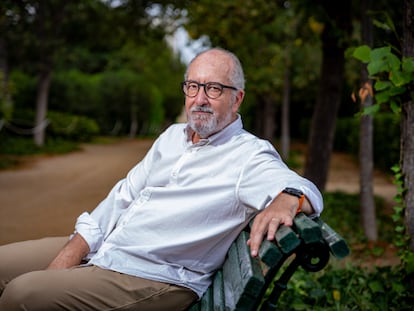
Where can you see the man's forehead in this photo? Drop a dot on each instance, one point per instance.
(210, 66)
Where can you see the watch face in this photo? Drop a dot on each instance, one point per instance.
(293, 191)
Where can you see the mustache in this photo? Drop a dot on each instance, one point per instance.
(201, 109)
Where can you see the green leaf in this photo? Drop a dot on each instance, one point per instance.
(375, 67)
(382, 60)
(396, 168)
(399, 78)
(382, 97)
(399, 228)
(396, 218)
(395, 107)
(408, 64)
(409, 262)
(363, 53)
(370, 110)
(376, 287)
(394, 62)
(396, 91)
(382, 85)
(398, 209)
(380, 53)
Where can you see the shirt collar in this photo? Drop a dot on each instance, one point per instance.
(220, 137)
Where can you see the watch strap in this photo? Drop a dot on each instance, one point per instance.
(297, 193)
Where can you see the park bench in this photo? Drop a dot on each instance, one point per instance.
(242, 282)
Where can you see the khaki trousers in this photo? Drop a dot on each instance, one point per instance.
(25, 285)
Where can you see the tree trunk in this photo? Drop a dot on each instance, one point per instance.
(6, 103)
(366, 161)
(366, 152)
(323, 124)
(268, 118)
(407, 125)
(133, 129)
(285, 119)
(41, 107)
(3, 62)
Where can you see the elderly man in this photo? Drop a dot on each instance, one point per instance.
(158, 237)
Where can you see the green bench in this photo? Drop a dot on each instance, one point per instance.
(242, 282)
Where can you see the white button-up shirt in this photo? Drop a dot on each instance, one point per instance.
(174, 216)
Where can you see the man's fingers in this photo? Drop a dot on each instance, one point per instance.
(272, 228)
(256, 235)
(260, 227)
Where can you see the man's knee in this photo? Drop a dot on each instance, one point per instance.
(23, 292)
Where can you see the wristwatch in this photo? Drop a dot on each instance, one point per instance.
(297, 193)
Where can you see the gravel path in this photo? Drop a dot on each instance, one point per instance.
(45, 196)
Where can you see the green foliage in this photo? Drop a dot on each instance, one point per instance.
(61, 126)
(24, 93)
(342, 212)
(21, 146)
(394, 78)
(392, 75)
(401, 238)
(65, 133)
(6, 104)
(71, 127)
(349, 288)
(271, 38)
(386, 140)
(76, 92)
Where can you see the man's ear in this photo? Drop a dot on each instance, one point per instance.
(238, 101)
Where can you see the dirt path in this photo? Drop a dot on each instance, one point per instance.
(45, 197)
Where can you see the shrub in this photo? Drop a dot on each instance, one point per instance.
(386, 140)
(71, 127)
(350, 288)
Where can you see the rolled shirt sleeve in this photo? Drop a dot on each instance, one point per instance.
(89, 229)
(266, 175)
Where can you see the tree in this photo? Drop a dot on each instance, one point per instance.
(394, 87)
(337, 22)
(407, 122)
(38, 34)
(366, 151)
(270, 39)
(45, 36)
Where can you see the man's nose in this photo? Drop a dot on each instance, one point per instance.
(201, 97)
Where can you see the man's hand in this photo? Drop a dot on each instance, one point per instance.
(71, 254)
(281, 211)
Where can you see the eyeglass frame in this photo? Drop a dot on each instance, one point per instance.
(204, 85)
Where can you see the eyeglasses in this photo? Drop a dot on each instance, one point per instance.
(213, 90)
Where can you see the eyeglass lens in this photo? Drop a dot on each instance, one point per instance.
(211, 89)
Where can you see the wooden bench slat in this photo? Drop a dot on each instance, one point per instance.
(249, 266)
(308, 230)
(286, 239)
(243, 279)
(196, 306)
(232, 277)
(207, 301)
(251, 273)
(336, 243)
(270, 254)
(218, 292)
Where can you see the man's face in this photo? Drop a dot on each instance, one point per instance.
(207, 116)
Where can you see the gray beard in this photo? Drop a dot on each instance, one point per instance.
(205, 126)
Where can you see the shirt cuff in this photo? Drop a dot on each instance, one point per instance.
(87, 227)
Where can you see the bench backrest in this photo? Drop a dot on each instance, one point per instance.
(243, 280)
